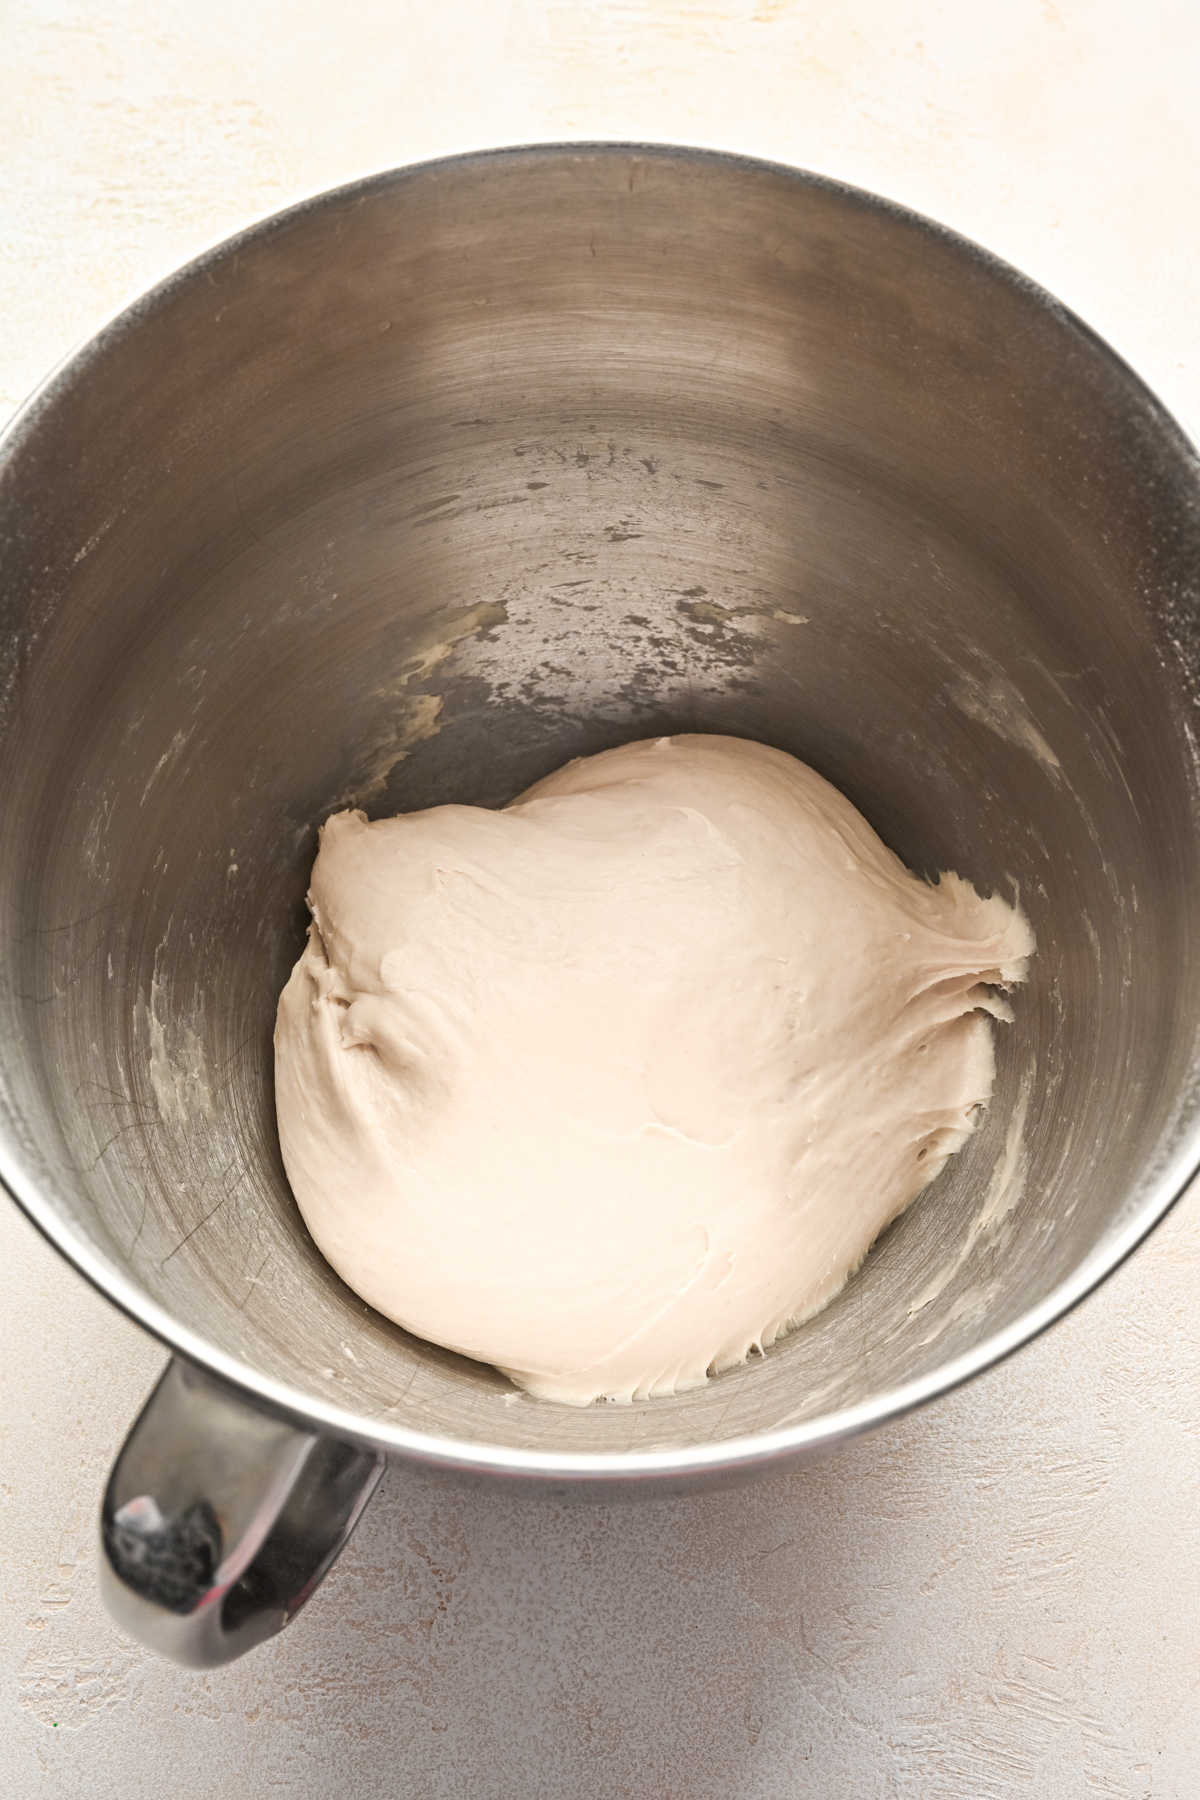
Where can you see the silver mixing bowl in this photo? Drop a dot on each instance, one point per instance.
(408, 495)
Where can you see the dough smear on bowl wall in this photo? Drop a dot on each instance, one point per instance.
(613, 1086)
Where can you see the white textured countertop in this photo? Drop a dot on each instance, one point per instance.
(998, 1597)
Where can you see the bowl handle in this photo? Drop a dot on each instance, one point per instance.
(220, 1519)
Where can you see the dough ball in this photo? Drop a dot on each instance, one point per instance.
(612, 1086)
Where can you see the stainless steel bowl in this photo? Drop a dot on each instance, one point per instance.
(408, 495)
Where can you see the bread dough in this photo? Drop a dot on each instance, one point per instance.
(617, 1084)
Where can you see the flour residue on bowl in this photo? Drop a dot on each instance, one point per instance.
(995, 703)
(1001, 1197)
(416, 717)
(177, 1066)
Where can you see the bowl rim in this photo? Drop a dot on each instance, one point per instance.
(1154, 1196)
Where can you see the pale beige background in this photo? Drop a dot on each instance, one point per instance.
(998, 1598)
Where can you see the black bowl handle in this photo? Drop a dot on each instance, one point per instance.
(220, 1519)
